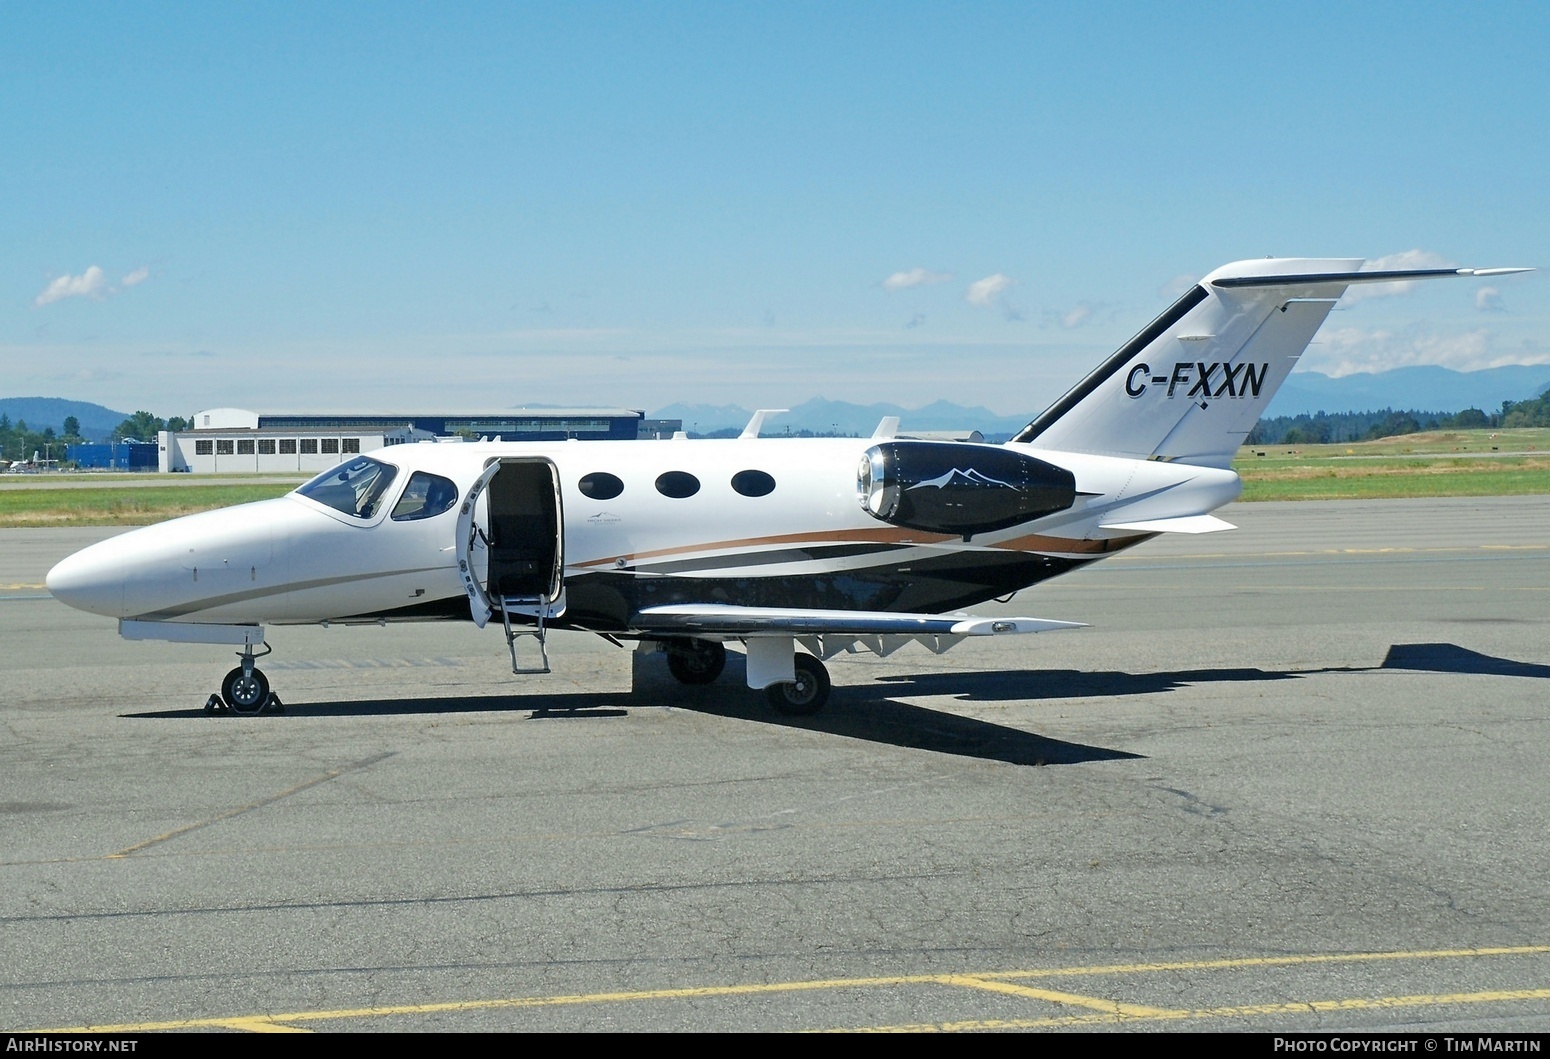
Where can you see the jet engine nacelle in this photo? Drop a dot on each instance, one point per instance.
(951, 487)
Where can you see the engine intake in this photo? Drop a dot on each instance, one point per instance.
(951, 487)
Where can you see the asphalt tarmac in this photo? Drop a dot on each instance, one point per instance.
(1294, 777)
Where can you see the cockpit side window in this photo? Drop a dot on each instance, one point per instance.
(354, 488)
(426, 496)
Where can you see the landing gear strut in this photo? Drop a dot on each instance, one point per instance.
(693, 661)
(245, 689)
(805, 695)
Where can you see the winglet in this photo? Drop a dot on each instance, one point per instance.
(756, 423)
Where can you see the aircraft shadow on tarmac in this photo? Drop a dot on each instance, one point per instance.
(574, 705)
(867, 712)
(1015, 685)
(1451, 658)
(856, 715)
(853, 712)
(872, 712)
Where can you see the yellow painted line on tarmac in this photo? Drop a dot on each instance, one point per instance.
(686, 993)
(1291, 1007)
(1110, 1007)
(1108, 1011)
(259, 1024)
(1274, 961)
(1381, 1003)
(249, 807)
(19, 587)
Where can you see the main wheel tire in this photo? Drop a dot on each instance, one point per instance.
(246, 694)
(805, 695)
(696, 661)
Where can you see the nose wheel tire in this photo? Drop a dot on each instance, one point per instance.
(246, 693)
(805, 695)
(696, 661)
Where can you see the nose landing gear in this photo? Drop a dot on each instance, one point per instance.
(245, 690)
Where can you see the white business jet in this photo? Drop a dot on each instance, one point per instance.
(836, 544)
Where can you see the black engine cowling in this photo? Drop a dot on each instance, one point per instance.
(951, 487)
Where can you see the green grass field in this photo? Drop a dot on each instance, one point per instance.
(1452, 463)
(1457, 463)
(120, 506)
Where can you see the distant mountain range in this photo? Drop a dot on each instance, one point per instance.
(1421, 389)
(97, 422)
(1424, 389)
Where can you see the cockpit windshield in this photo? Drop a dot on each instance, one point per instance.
(355, 488)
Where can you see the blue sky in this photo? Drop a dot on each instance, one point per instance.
(383, 205)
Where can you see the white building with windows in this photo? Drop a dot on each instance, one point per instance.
(237, 441)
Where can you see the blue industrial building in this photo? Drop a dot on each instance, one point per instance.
(127, 455)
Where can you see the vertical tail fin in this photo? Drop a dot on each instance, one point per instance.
(1193, 383)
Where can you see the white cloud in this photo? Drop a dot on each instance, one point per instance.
(1489, 300)
(986, 291)
(138, 276)
(915, 277)
(89, 284)
(1362, 292)
(1077, 316)
(1354, 349)
(1081, 314)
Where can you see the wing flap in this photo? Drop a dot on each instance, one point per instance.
(728, 620)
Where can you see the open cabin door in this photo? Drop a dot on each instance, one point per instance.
(511, 541)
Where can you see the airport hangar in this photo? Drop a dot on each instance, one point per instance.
(235, 440)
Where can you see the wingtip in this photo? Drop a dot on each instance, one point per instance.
(1494, 271)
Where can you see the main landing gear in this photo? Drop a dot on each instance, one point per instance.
(805, 695)
(698, 662)
(245, 690)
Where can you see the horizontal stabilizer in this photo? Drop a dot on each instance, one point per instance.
(1373, 276)
(728, 620)
(1185, 524)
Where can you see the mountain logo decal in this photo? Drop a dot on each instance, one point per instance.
(959, 477)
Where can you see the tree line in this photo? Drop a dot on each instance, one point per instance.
(1324, 428)
(19, 442)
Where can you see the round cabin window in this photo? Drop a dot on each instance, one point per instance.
(753, 483)
(678, 484)
(600, 485)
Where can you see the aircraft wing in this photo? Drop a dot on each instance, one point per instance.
(723, 619)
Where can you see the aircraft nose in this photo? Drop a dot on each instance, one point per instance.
(90, 580)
